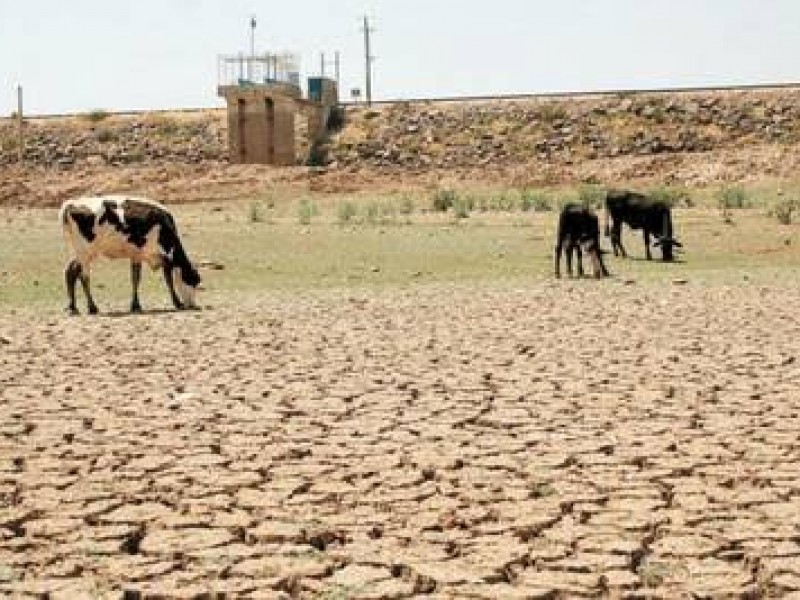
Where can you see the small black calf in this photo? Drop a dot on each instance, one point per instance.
(579, 229)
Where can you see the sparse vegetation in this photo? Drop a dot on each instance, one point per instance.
(732, 198)
(672, 196)
(550, 112)
(97, 115)
(407, 205)
(443, 200)
(306, 211)
(105, 135)
(783, 210)
(255, 212)
(536, 200)
(504, 201)
(592, 196)
(372, 213)
(347, 212)
(462, 205)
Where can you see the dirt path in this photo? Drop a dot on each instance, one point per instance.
(565, 439)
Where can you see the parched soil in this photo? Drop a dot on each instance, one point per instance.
(552, 439)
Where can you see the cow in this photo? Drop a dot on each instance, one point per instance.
(579, 229)
(126, 227)
(653, 217)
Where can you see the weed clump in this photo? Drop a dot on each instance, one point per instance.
(306, 211)
(443, 200)
(347, 212)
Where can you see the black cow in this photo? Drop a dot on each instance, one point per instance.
(579, 229)
(653, 217)
(137, 229)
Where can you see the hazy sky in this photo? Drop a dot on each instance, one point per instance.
(75, 55)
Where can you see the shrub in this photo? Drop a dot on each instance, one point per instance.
(407, 205)
(733, 197)
(347, 211)
(97, 115)
(461, 207)
(505, 202)
(255, 212)
(550, 112)
(373, 212)
(784, 210)
(535, 200)
(592, 196)
(105, 135)
(306, 211)
(443, 200)
(672, 196)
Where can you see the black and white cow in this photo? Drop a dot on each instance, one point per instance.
(579, 229)
(137, 229)
(653, 217)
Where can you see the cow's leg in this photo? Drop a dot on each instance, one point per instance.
(579, 253)
(559, 249)
(646, 234)
(167, 268)
(601, 262)
(616, 240)
(136, 277)
(71, 273)
(570, 250)
(84, 277)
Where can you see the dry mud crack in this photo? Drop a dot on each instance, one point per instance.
(541, 441)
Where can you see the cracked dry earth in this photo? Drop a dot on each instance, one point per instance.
(542, 441)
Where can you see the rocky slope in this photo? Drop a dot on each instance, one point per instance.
(511, 132)
(688, 138)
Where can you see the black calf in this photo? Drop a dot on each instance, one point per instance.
(578, 228)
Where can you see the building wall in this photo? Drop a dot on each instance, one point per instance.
(260, 126)
(262, 123)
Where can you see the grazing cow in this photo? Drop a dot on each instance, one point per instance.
(640, 212)
(578, 227)
(137, 229)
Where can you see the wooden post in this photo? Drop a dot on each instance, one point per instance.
(20, 127)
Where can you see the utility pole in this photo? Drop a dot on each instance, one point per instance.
(337, 63)
(368, 58)
(250, 63)
(20, 127)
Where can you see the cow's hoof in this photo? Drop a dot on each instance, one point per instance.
(72, 311)
(93, 310)
(136, 308)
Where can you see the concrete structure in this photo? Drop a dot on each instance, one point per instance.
(268, 120)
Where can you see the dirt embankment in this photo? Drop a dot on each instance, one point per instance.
(687, 138)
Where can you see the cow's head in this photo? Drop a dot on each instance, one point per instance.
(187, 282)
(667, 246)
